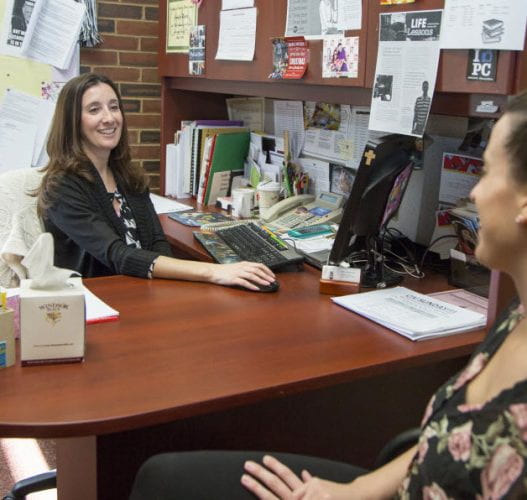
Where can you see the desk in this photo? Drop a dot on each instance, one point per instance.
(191, 365)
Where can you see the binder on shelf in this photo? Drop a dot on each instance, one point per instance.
(230, 151)
(208, 151)
(195, 146)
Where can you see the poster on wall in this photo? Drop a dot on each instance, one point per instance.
(182, 15)
(406, 71)
(28, 93)
(290, 55)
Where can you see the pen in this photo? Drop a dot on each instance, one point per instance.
(272, 235)
(3, 299)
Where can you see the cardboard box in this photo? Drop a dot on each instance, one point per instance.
(52, 324)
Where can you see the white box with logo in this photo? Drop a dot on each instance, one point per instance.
(52, 323)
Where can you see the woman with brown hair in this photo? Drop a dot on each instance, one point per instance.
(95, 201)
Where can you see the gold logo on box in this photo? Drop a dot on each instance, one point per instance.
(53, 312)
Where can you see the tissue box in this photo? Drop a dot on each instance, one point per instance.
(52, 324)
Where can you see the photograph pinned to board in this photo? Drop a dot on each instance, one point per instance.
(290, 57)
(405, 72)
(16, 24)
(325, 116)
(196, 50)
(342, 179)
(340, 57)
(182, 15)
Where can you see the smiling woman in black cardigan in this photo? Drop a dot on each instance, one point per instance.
(96, 203)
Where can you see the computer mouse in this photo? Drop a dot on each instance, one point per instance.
(272, 287)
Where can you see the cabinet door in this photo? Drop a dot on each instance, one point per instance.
(271, 22)
(451, 76)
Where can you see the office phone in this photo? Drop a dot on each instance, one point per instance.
(305, 210)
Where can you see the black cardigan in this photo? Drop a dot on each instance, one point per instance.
(89, 236)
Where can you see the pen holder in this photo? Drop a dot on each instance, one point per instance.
(7, 337)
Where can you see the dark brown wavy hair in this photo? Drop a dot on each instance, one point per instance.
(64, 146)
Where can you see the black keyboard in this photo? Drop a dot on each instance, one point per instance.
(253, 243)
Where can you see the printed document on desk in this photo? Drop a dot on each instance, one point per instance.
(164, 205)
(411, 314)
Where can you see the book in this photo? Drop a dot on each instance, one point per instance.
(411, 314)
(230, 151)
(197, 219)
(205, 167)
(194, 145)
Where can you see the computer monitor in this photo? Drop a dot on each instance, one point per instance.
(375, 197)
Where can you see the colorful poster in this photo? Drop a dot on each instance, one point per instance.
(459, 175)
(181, 16)
(289, 57)
(340, 57)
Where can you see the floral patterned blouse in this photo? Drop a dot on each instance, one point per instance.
(477, 451)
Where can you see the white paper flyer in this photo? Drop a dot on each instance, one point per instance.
(406, 71)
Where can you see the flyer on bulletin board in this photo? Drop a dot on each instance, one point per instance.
(182, 15)
(290, 57)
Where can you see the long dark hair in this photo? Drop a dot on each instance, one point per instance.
(64, 146)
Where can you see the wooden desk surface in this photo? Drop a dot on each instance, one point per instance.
(182, 349)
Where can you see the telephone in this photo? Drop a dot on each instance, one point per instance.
(305, 210)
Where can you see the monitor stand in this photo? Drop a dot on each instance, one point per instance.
(375, 274)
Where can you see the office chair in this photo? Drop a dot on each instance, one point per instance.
(48, 480)
(39, 482)
(397, 445)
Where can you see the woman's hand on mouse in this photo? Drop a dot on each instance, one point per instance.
(246, 274)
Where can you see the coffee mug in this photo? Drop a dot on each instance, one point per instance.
(242, 202)
(267, 194)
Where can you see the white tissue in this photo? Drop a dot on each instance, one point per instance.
(39, 264)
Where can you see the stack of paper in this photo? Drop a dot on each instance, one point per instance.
(98, 311)
(412, 314)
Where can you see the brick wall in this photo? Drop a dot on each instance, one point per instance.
(128, 55)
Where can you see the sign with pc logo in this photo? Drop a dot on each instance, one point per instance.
(482, 65)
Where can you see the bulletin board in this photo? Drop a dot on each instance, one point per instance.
(22, 74)
(43, 83)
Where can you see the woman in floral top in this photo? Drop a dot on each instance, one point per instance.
(473, 442)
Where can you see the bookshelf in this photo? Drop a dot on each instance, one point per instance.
(185, 98)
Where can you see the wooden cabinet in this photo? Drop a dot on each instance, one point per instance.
(185, 97)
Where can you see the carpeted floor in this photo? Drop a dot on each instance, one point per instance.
(20, 458)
